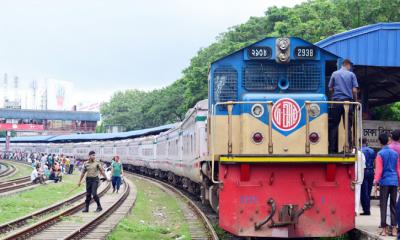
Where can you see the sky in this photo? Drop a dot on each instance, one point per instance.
(102, 46)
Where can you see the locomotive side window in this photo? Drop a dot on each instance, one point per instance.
(225, 84)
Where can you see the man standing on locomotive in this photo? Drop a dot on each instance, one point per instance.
(343, 87)
(92, 168)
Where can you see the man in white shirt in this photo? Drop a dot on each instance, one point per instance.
(359, 168)
(43, 160)
(35, 176)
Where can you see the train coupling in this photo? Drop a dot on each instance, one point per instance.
(288, 215)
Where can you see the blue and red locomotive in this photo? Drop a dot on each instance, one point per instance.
(268, 116)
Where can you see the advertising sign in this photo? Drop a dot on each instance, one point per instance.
(21, 127)
(372, 129)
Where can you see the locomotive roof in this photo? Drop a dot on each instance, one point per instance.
(261, 40)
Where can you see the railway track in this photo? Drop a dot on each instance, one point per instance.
(15, 184)
(200, 226)
(70, 222)
(11, 169)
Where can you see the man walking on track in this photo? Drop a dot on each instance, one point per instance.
(92, 168)
(117, 172)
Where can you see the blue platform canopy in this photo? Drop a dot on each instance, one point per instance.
(36, 139)
(109, 136)
(375, 52)
(49, 115)
(92, 136)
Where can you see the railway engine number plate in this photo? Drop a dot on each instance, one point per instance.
(259, 52)
(305, 52)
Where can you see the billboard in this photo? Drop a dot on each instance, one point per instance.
(57, 95)
(21, 127)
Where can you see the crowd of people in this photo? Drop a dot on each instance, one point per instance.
(382, 171)
(53, 166)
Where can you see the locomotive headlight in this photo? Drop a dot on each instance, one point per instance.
(282, 50)
(257, 110)
(314, 110)
(314, 137)
(283, 44)
(283, 57)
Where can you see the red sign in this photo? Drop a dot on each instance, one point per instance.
(286, 114)
(21, 127)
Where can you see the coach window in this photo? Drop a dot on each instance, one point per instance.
(191, 144)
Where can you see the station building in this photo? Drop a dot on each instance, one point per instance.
(47, 122)
(375, 53)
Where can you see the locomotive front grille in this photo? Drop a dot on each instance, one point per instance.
(265, 76)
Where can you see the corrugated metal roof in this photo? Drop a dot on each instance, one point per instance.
(372, 45)
(92, 136)
(49, 115)
(29, 139)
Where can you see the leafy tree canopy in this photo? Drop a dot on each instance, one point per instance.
(313, 20)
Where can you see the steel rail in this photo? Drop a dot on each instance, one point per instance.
(207, 224)
(42, 225)
(14, 181)
(8, 226)
(10, 170)
(89, 226)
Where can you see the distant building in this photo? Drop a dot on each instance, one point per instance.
(47, 122)
(114, 128)
(12, 104)
(90, 107)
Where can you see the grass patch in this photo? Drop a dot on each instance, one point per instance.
(23, 171)
(21, 204)
(156, 215)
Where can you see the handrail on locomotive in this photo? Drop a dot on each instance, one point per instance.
(356, 129)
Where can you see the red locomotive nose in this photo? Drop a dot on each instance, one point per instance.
(258, 137)
(313, 137)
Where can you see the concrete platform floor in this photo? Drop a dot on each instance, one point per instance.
(369, 224)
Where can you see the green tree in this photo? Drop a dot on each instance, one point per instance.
(313, 21)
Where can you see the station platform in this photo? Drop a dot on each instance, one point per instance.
(368, 225)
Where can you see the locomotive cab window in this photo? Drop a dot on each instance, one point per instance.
(225, 84)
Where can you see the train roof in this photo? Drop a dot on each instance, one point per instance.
(92, 136)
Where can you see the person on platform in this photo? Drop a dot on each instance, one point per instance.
(387, 173)
(343, 87)
(395, 145)
(117, 171)
(91, 169)
(359, 168)
(366, 187)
